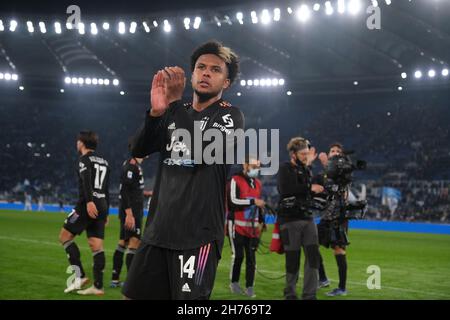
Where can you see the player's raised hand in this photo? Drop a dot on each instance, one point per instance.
(92, 210)
(175, 81)
(323, 159)
(158, 97)
(312, 155)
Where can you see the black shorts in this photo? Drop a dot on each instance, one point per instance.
(126, 234)
(163, 274)
(333, 234)
(77, 222)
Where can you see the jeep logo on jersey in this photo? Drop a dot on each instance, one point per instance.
(228, 121)
(203, 123)
(178, 146)
(171, 126)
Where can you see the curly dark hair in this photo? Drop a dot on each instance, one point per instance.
(226, 54)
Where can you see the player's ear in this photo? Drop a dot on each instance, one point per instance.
(226, 84)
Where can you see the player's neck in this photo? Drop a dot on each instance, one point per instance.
(199, 105)
(86, 151)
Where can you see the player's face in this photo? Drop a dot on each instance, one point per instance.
(210, 76)
(79, 145)
(253, 164)
(334, 151)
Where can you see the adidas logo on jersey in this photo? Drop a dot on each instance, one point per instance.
(186, 288)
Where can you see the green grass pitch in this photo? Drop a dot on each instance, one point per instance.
(413, 265)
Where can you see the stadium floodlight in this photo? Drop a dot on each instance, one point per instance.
(155, 23)
(316, 7)
(69, 26)
(268, 82)
(303, 13)
(445, 72)
(21, 88)
(30, 27)
(133, 26)
(81, 28)
(265, 17)
(281, 82)
(74, 80)
(42, 27)
(240, 17)
(404, 75)
(219, 24)
(400, 88)
(275, 82)
(7, 76)
(100, 82)
(374, 3)
(187, 22)
(431, 73)
(2, 76)
(122, 93)
(67, 80)
(256, 82)
(254, 17)
(238, 94)
(80, 80)
(116, 82)
(418, 74)
(57, 27)
(276, 14)
(167, 26)
(61, 90)
(341, 6)
(388, 2)
(354, 6)
(289, 10)
(289, 93)
(106, 82)
(94, 81)
(12, 25)
(14, 77)
(94, 29)
(2, 27)
(250, 83)
(262, 82)
(88, 81)
(146, 27)
(105, 26)
(243, 83)
(197, 22)
(329, 8)
(121, 27)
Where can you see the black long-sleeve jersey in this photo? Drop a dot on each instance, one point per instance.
(93, 183)
(131, 185)
(187, 209)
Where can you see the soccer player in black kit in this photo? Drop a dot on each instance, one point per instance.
(183, 239)
(90, 214)
(131, 211)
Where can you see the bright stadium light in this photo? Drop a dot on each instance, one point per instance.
(94, 81)
(445, 72)
(275, 82)
(431, 73)
(276, 14)
(256, 82)
(374, 3)
(14, 77)
(240, 17)
(289, 10)
(12, 25)
(121, 27)
(155, 23)
(105, 26)
(94, 29)
(418, 74)
(341, 6)
(21, 88)
(316, 7)
(58, 27)
(42, 27)
(303, 13)
(167, 26)
(146, 27)
(74, 80)
(187, 22)
(61, 90)
(254, 17)
(265, 17)
(238, 94)
(88, 81)
(243, 83)
(80, 80)
(115, 82)
(106, 82)
(122, 93)
(404, 75)
(355, 83)
(250, 83)
(69, 26)
(30, 27)
(7, 76)
(81, 29)
(388, 2)
(100, 82)
(133, 26)
(262, 82)
(289, 93)
(2, 27)
(2, 76)
(354, 6)
(281, 82)
(329, 8)
(400, 88)
(197, 22)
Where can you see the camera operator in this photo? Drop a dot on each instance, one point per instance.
(297, 228)
(333, 227)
